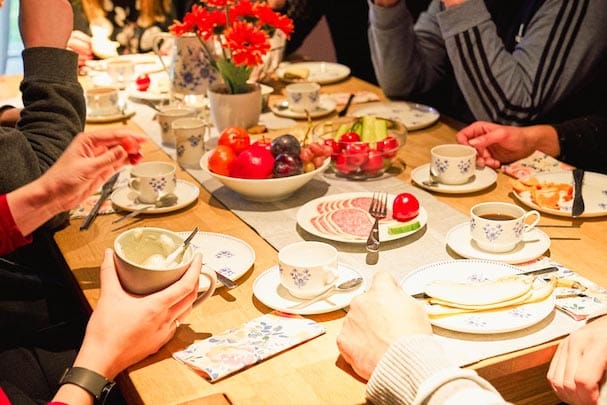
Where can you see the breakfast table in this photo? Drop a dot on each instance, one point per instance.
(313, 372)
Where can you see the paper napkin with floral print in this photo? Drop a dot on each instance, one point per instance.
(537, 162)
(576, 296)
(233, 350)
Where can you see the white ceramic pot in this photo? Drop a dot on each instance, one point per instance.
(227, 109)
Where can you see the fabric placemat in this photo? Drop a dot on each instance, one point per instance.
(276, 223)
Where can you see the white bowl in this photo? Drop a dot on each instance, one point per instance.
(263, 190)
(134, 246)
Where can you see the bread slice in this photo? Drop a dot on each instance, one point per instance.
(296, 73)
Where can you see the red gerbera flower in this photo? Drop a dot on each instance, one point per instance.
(270, 18)
(246, 43)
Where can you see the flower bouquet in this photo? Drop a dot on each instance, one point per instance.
(235, 36)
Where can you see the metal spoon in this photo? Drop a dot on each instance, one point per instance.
(432, 178)
(165, 201)
(281, 106)
(177, 253)
(347, 285)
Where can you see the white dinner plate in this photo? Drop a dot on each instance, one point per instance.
(496, 321)
(411, 115)
(326, 106)
(319, 72)
(104, 119)
(594, 191)
(483, 178)
(309, 211)
(271, 293)
(126, 199)
(534, 244)
(225, 254)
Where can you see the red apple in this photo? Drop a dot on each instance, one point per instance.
(255, 162)
(142, 82)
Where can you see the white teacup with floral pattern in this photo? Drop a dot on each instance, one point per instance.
(307, 269)
(303, 96)
(152, 180)
(498, 227)
(189, 135)
(453, 163)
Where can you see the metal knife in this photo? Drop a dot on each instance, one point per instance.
(106, 190)
(578, 200)
(537, 272)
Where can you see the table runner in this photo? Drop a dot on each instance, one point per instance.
(276, 223)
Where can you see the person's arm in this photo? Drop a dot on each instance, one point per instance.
(86, 164)
(9, 115)
(583, 142)
(407, 61)
(562, 43)
(121, 318)
(401, 360)
(54, 109)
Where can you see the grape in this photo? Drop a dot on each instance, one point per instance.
(306, 154)
(286, 143)
(318, 160)
(287, 165)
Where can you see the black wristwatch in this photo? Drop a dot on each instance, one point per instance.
(88, 380)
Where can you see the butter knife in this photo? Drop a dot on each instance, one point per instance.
(536, 272)
(106, 190)
(578, 200)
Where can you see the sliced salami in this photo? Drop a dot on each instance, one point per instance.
(352, 221)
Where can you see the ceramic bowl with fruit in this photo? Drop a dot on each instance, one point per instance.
(265, 170)
(362, 147)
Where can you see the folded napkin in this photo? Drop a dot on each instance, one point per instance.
(580, 298)
(537, 162)
(83, 209)
(361, 96)
(230, 351)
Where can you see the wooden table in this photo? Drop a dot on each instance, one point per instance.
(312, 372)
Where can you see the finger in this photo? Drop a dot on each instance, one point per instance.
(180, 289)
(589, 375)
(107, 273)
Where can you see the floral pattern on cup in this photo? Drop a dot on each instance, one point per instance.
(303, 96)
(453, 163)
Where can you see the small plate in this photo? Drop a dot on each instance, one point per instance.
(326, 106)
(268, 290)
(534, 244)
(487, 322)
(594, 191)
(230, 256)
(320, 72)
(309, 211)
(482, 179)
(125, 198)
(104, 119)
(413, 116)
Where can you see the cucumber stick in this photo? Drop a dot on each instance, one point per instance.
(368, 129)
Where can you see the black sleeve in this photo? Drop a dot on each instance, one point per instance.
(583, 142)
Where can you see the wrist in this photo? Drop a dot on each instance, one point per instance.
(547, 140)
(82, 385)
(31, 206)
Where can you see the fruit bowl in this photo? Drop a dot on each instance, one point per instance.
(362, 155)
(264, 190)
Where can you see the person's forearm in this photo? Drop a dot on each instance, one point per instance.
(73, 394)
(545, 138)
(30, 206)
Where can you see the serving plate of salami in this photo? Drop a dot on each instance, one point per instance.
(345, 218)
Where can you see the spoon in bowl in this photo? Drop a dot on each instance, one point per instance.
(346, 286)
(177, 253)
(165, 201)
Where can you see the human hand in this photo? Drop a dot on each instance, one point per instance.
(46, 23)
(10, 116)
(453, 3)
(374, 322)
(80, 43)
(121, 318)
(277, 4)
(499, 144)
(578, 367)
(89, 160)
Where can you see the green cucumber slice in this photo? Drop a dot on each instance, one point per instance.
(403, 227)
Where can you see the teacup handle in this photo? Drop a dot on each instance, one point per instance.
(210, 274)
(331, 275)
(156, 42)
(135, 184)
(532, 225)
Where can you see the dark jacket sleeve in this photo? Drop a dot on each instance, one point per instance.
(54, 112)
(583, 142)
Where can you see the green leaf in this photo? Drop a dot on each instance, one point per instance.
(234, 76)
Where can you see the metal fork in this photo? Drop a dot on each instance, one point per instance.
(378, 210)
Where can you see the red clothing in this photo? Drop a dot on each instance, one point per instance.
(10, 235)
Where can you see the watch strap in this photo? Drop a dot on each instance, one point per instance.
(95, 383)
